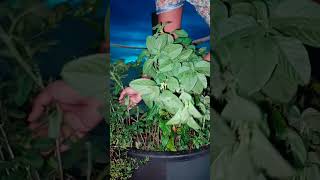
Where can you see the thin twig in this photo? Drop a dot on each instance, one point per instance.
(7, 142)
(18, 57)
(59, 158)
(2, 158)
(126, 46)
(23, 14)
(89, 168)
(201, 40)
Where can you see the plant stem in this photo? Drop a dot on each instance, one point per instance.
(59, 158)
(8, 42)
(7, 142)
(89, 168)
(2, 158)
(116, 80)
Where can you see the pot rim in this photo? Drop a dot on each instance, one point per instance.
(167, 154)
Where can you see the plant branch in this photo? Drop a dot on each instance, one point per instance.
(59, 158)
(89, 168)
(9, 43)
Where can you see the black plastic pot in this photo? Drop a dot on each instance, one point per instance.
(193, 165)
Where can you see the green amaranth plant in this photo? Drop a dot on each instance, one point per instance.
(264, 126)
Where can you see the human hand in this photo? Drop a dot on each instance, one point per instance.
(134, 97)
(207, 57)
(80, 114)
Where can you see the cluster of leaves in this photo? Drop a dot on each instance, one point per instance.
(177, 91)
(261, 130)
(21, 155)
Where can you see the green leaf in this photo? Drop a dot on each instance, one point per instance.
(296, 56)
(264, 156)
(24, 88)
(243, 8)
(147, 88)
(186, 97)
(235, 27)
(162, 40)
(143, 86)
(193, 124)
(173, 84)
(170, 102)
(181, 33)
(202, 67)
(198, 87)
(296, 146)
(172, 50)
(176, 119)
(148, 68)
(188, 80)
(88, 75)
(202, 79)
(220, 11)
(262, 12)
(170, 145)
(241, 167)
(166, 130)
(152, 45)
(221, 134)
(298, 18)
(185, 54)
(165, 63)
(193, 111)
(221, 164)
(280, 87)
(311, 119)
(55, 120)
(254, 74)
(241, 110)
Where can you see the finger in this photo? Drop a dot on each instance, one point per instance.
(37, 125)
(123, 94)
(75, 123)
(39, 104)
(42, 132)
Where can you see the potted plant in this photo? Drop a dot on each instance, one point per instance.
(172, 131)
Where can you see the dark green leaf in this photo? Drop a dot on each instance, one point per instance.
(171, 102)
(55, 120)
(300, 19)
(242, 110)
(173, 84)
(181, 33)
(88, 75)
(265, 156)
(294, 52)
(24, 88)
(254, 74)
